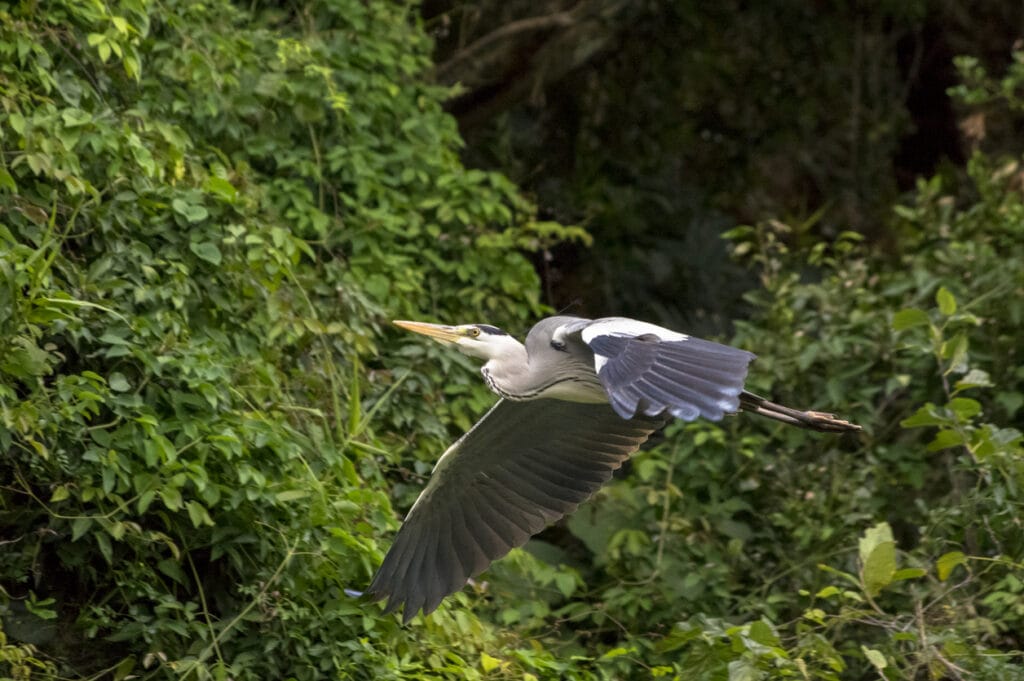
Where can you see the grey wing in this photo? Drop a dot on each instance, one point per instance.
(521, 467)
(649, 370)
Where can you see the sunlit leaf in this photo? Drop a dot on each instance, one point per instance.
(947, 561)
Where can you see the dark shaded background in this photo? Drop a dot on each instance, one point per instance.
(658, 125)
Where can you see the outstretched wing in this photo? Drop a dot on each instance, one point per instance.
(650, 370)
(521, 467)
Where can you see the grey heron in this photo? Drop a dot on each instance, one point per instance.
(576, 400)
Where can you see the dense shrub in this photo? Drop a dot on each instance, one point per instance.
(209, 216)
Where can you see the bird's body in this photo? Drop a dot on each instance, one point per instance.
(578, 398)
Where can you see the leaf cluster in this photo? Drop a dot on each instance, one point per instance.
(211, 213)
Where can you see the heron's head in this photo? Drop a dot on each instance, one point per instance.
(476, 340)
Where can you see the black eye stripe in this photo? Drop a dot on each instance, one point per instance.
(493, 330)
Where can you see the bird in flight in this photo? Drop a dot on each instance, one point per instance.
(577, 399)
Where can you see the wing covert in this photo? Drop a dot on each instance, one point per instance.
(521, 467)
(648, 370)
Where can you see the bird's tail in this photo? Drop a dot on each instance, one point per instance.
(812, 420)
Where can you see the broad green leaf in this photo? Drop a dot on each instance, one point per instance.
(947, 561)
(488, 663)
(955, 350)
(124, 668)
(909, 318)
(292, 495)
(873, 537)
(566, 583)
(875, 657)
(743, 670)
(925, 416)
(827, 592)
(975, 378)
(208, 251)
(7, 181)
(198, 514)
(221, 187)
(75, 117)
(145, 499)
(171, 498)
(946, 438)
(118, 382)
(172, 569)
(878, 558)
(964, 407)
(946, 301)
(762, 633)
(80, 526)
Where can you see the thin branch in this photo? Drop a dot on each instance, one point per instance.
(530, 25)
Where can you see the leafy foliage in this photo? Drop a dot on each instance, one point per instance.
(210, 213)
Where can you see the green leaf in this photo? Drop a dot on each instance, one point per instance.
(193, 212)
(875, 657)
(827, 592)
(220, 187)
(762, 633)
(172, 569)
(25, 360)
(616, 652)
(292, 495)
(145, 499)
(118, 382)
(207, 250)
(909, 318)
(171, 498)
(17, 122)
(927, 415)
(488, 663)
(944, 439)
(124, 668)
(946, 301)
(975, 378)
(743, 670)
(566, 583)
(964, 407)
(7, 181)
(947, 561)
(80, 526)
(198, 514)
(909, 573)
(75, 117)
(878, 558)
(955, 350)
(103, 542)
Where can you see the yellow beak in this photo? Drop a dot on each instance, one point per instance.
(440, 332)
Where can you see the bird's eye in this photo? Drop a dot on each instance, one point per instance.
(474, 332)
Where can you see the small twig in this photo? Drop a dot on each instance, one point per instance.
(531, 24)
